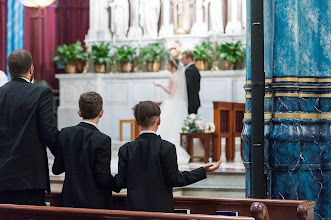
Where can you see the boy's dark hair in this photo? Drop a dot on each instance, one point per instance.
(146, 113)
(90, 105)
(19, 63)
(189, 54)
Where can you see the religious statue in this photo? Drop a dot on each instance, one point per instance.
(234, 25)
(200, 27)
(135, 30)
(166, 29)
(149, 11)
(216, 16)
(119, 17)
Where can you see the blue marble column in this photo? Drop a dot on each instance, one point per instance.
(297, 102)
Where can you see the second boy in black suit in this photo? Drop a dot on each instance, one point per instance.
(148, 167)
(193, 77)
(84, 155)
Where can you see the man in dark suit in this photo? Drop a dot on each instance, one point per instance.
(84, 155)
(27, 126)
(192, 82)
(148, 167)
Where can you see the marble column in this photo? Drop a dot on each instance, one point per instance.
(135, 30)
(199, 27)
(234, 25)
(166, 29)
(99, 21)
(297, 102)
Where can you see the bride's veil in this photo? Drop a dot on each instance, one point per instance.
(180, 93)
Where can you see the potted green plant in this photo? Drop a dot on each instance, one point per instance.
(71, 55)
(231, 54)
(126, 55)
(100, 55)
(202, 55)
(153, 54)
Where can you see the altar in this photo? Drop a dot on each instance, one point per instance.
(121, 92)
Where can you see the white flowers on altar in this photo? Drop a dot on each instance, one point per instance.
(209, 127)
(194, 123)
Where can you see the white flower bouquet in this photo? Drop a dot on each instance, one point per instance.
(193, 123)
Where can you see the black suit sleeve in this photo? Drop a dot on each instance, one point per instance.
(121, 177)
(58, 166)
(173, 177)
(46, 120)
(101, 164)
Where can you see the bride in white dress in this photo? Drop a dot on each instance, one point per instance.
(174, 109)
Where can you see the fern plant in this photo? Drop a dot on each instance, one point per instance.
(70, 54)
(203, 51)
(100, 54)
(231, 52)
(126, 53)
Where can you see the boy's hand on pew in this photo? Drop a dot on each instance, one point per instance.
(212, 167)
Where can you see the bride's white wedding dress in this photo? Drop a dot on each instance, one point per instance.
(173, 114)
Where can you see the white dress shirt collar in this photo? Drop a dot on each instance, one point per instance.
(25, 79)
(189, 64)
(91, 123)
(147, 131)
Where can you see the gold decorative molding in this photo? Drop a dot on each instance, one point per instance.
(293, 115)
(294, 79)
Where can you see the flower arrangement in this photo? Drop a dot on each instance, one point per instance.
(194, 123)
(175, 50)
(209, 127)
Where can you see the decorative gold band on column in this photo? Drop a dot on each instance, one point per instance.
(294, 79)
(299, 95)
(293, 115)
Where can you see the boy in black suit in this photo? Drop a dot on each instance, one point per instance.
(84, 155)
(148, 167)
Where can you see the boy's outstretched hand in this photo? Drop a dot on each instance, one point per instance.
(211, 167)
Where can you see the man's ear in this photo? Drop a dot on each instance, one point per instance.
(136, 123)
(101, 113)
(79, 113)
(158, 120)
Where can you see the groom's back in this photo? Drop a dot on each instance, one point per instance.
(143, 161)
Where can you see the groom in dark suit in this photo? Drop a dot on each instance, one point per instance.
(27, 126)
(192, 82)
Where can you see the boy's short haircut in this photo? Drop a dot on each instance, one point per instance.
(146, 113)
(90, 105)
(189, 54)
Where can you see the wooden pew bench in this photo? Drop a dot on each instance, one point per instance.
(24, 212)
(277, 209)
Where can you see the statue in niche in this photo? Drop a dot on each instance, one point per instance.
(149, 11)
(119, 17)
(135, 30)
(216, 16)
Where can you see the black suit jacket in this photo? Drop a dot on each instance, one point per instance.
(148, 168)
(27, 126)
(193, 87)
(84, 155)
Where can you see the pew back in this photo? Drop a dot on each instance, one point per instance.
(278, 209)
(22, 212)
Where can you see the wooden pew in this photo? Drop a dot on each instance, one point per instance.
(22, 212)
(278, 209)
